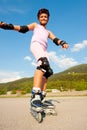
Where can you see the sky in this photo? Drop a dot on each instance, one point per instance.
(68, 21)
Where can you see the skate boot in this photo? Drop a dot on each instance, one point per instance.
(48, 106)
(36, 103)
(36, 106)
(43, 95)
(46, 103)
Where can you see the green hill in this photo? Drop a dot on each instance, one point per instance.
(72, 78)
(75, 73)
(76, 69)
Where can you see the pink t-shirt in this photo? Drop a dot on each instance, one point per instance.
(40, 35)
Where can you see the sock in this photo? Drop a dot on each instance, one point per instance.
(36, 90)
(37, 96)
(44, 93)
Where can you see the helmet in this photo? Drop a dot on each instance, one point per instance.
(43, 10)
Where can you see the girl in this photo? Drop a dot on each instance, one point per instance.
(38, 48)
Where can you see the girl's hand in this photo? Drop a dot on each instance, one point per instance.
(65, 46)
(2, 24)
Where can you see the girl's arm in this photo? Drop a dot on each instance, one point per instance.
(22, 29)
(6, 26)
(52, 37)
(25, 28)
(58, 41)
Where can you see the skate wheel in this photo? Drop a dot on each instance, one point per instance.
(55, 114)
(39, 117)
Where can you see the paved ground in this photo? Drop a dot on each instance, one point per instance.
(72, 115)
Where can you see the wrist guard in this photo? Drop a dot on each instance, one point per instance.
(62, 43)
(7, 26)
(55, 40)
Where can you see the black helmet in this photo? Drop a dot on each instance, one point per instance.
(43, 10)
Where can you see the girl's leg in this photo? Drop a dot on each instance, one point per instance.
(38, 51)
(38, 75)
(36, 90)
(43, 87)
(44, 84)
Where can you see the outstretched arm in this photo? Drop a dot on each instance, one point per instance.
(22, 29)
(58, 41)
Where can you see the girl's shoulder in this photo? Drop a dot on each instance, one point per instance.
(36, 25)
(32, 25)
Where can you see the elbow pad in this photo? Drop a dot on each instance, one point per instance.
(24, 29)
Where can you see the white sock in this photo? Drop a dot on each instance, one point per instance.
(36, 89)
(43, 92)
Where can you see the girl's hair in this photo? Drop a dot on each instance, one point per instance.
(43, 11)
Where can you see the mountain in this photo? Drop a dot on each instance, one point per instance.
(72, 78)
(82, 68)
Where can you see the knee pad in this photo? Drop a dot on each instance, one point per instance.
(48, 73)
(45, 66)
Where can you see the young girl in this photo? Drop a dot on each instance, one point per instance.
(38, 48)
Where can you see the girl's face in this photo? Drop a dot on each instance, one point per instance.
(43, 19)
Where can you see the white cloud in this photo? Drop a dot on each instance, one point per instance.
(16, 10)
(62, 61)
(84, 59)
(11, 9)
(34, 63)
(27, 58)
(9, 76)
(79, 46)
(2, 10)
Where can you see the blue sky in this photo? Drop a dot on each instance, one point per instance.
(68, 21)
